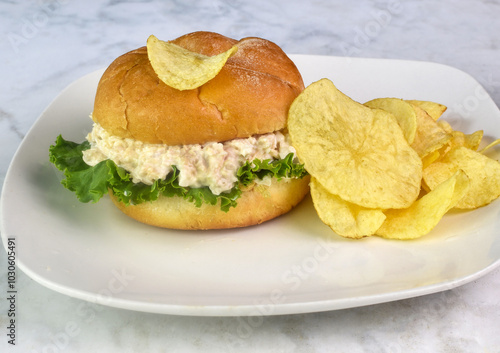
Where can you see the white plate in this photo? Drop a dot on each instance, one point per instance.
(293, 264)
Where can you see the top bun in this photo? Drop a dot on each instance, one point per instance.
(250, 95)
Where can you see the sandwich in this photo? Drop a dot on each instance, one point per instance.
(211, 157)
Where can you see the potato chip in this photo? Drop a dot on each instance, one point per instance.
(430, 136)
(431, 157)
(472, 141)
(483, 173)
(344, 218)
(435, 110)
(443, 124)
(402, 111)
(355, 152)
(492, 144)
(421, 217)
(183, 69)
(458, 139)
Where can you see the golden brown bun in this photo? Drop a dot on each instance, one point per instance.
(251, 95)
(256, 205)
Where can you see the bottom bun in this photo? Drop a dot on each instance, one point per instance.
(257, 204)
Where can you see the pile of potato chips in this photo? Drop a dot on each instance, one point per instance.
(388, 167)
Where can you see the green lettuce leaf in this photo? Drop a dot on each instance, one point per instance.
(91, 183)
(278, 168)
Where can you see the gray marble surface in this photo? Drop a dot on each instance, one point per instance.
(46, 45)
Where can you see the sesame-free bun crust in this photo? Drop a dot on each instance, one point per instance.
(251, 94)
(257, 204)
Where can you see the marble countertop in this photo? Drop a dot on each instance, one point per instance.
(46, 45)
